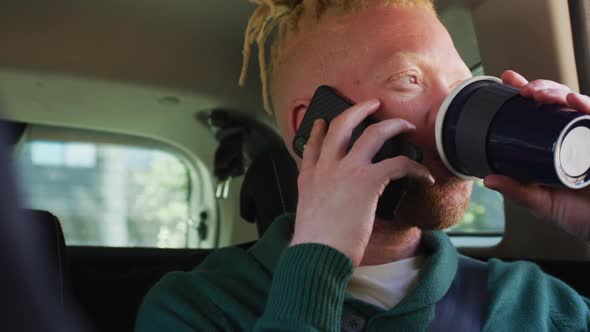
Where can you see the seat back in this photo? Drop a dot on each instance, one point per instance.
(48, 228)
(269, 188)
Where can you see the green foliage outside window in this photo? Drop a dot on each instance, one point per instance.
(485, 214)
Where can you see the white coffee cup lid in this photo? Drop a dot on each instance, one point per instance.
(575, 152)
(572, 157)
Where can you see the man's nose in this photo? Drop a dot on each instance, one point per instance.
(439, 94)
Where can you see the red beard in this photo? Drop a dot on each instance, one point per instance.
(433, 208)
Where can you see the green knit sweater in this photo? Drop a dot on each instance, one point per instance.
(273, 287)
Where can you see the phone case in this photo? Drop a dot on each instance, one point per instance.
(327, 104)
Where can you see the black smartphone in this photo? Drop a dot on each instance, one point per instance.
(326, 104)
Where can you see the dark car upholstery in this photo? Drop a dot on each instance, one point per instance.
(48, 226)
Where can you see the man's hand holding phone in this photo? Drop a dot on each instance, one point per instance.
(339, 191)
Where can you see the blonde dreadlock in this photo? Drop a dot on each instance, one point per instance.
(287, 13)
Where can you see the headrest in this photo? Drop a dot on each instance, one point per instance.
(51, 237)
(12, 131)
(269, 188)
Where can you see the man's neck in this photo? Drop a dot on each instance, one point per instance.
(389, 244)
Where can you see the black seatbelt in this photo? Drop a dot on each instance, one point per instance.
(463, 306)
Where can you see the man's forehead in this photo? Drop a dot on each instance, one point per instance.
(389, 35)
(400, 29)
(389, 20)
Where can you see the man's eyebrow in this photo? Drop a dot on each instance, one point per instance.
(403, 57)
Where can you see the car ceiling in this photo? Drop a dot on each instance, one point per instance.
(193, 47)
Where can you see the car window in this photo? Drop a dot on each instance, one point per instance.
(485, 215)
(113, 194)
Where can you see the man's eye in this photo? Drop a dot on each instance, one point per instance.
(404, 78)
(411, 79)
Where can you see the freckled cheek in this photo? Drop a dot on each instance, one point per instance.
(414, 111)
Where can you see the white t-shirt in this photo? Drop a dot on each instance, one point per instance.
(385, 285)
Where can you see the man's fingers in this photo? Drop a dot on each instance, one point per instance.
(546, 91)
(313, 148)
(580, 103)
(533, 197)
(373, 138)
(513, 78)
(396, 168)
(551, 96)
(340, 129)
(537, 85)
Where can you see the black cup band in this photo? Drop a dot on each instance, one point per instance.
(441, 119)
(471, 140)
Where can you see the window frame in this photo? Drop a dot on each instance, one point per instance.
(202, 197)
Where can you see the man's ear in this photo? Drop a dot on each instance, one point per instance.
(297, 112)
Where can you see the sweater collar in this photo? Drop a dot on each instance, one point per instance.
(436, 276)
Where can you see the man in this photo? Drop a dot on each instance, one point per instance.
(396, 60)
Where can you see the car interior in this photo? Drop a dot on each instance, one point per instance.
(139, 154)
